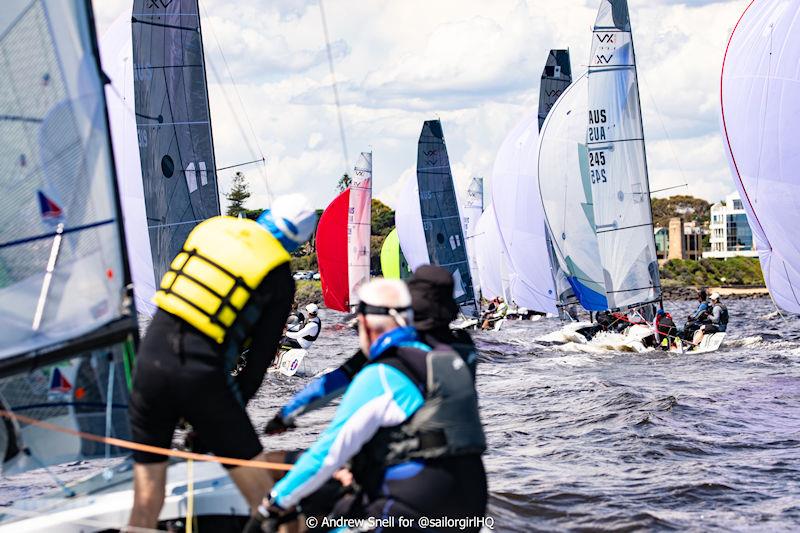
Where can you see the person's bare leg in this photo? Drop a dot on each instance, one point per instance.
(148, 494)
(253, 483)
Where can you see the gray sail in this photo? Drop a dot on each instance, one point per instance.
(556, 77)
(173, 124)
(63, 267)
(441, 220)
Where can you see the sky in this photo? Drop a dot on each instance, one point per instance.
(474, 64)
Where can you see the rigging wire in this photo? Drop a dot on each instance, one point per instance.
(334, 86)
(258, 151)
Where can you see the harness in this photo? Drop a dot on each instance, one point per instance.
(312, 338)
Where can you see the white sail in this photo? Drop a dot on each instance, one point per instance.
(566, 193)
(471, 212)
(520, 218)
(408, 219)
(490, 254)
(760, 106)
(618, 165)
(116, 50)
(359, 225)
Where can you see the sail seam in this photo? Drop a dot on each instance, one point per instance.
(53, 234)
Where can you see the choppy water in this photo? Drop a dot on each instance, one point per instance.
(583, 438)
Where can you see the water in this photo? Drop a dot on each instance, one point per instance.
(583, 438)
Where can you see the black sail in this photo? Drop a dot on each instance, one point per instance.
(173, 124)
(441, 220)
(556, 77)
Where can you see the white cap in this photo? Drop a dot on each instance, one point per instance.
(312, 308)
(715, 296)
(292, 220)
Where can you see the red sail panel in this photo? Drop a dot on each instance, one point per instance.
(332, 253)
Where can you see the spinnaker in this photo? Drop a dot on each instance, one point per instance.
(393, 262)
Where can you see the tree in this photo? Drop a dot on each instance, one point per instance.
(237, 196)
(688, 208)
(382, 218)
(344, 182)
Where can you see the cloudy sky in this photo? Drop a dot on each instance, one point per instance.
(474, 64)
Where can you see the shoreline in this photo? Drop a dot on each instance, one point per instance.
(728, 293)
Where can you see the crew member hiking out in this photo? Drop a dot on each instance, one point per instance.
(698, 317)
(306, 335)
(230, 286)
(717, 320)
(408, 423)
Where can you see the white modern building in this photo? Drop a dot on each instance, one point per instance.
(730, 232)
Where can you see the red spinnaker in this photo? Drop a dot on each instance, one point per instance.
(332, 253)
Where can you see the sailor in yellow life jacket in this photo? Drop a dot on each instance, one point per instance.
(229, 287)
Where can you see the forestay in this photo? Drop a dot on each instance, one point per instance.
(617, 163)
(760, 105)
(441, 220)
(566, 192)
(359, 226)
(63, 271)
(173, 124)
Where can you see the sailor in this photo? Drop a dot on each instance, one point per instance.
(408, 423)
(500, 312)
(666, 330)
(717, 320)
(229, 286)
(698, 317)
(306, 335)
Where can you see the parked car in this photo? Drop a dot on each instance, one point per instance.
(316, 276)
(303, 275)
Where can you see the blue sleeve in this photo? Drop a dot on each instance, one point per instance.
(316, 394)
(379, 396)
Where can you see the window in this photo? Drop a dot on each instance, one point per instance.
(737, 204)
(740, 237)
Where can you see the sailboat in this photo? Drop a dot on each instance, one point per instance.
(428, 217)
(343, 240)
(472, 211)
(759, 108)
(393, 262)
(67, 318)
(161, 128)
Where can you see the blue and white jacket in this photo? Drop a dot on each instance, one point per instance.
(379, 396)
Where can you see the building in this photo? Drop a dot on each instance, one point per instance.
(731, 235)
(681, 240)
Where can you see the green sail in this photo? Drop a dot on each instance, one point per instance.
(393, 263)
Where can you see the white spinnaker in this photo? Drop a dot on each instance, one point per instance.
(618, 164)
(566, 193)
(55, 140)
(490, 253)
(471, 213)
(408, 219)
(359, 225)
(116, 50)
(760, 106)
(520, 218)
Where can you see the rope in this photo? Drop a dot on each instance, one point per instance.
(128, 445)
(623, 318)
(334, 86)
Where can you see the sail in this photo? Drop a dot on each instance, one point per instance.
(760, 105)
(332, 253)
(393, 263)
(116, 51)
(62, 267)
(618, 164)
(490, 253)
(63, 270)
(556, 77)
(441, 220)
(520, 218)
(567, 195)
(173, 125)
(359, 226)
(473, 209)
(408, 219)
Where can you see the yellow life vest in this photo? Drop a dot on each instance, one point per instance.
(209, 283)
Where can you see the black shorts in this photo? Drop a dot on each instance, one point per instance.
(180, 374)
(711, 328)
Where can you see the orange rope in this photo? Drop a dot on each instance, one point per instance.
(121, 443)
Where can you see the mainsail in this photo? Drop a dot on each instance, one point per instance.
(393, 263)
(343, 240)
(441, 220)
(567, 195)
(618, 164)
(473, 209)
(556, 77)
(760, 105)
(173, 125)
(63, 271)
